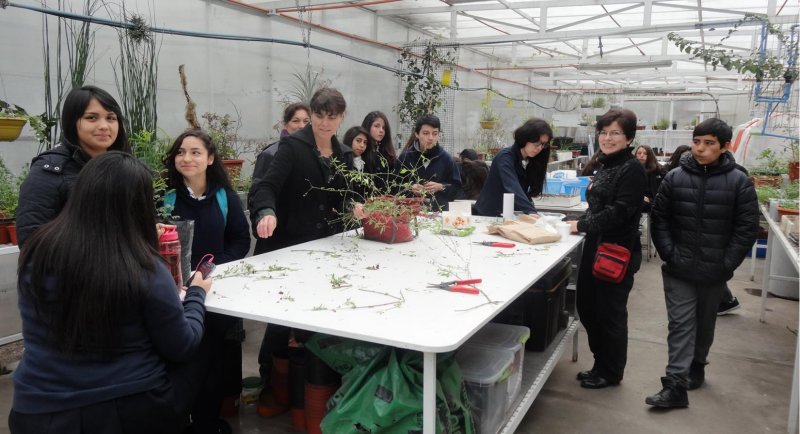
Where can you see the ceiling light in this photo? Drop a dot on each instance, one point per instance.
(624, 65)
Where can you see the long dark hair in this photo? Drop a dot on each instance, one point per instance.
(651, 164)
(536, 171)
(93, 256)
(75, 105)
(385, 147)
(215, 174)
(675, 159)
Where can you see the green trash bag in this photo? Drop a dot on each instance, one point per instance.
(342, 354)
(383, 394)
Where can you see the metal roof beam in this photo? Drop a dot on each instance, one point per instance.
(517, 5)
(640, 31)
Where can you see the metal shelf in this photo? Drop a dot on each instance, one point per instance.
(536, 369)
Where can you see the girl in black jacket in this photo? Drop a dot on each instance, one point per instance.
(91, 124)
(615, 207)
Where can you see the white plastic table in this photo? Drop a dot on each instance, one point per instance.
(350, 287)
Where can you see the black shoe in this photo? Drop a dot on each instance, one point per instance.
(673, 395)
(697, 375)
(595, 381)
(584, 375)
(726, 307)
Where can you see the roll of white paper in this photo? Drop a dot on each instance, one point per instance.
(508, 206)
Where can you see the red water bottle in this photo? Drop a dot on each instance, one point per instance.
(170, 250)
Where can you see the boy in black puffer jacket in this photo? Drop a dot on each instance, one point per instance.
(703, 222)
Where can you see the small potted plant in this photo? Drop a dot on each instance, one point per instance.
(12, 119)
(794, 163)
(224, 132)
(488, 116)
(9, 199)
(769, 170)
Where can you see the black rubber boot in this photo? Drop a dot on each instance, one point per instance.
(673, 395)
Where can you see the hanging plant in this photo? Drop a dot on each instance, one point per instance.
(424, 91)
(761, 66)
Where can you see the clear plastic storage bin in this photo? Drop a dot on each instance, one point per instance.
(509, 337)
(486, 371)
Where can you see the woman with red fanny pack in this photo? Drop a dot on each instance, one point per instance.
(606, 275)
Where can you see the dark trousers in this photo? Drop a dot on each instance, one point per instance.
(223, 375)
(164, 409)
(603, 311)
(275, 343)
(692, 312)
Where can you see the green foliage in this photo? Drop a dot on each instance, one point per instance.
(487, 114)
(150, 149)
(662, 124)
(787, 196)
(9, 189)
(304, 86)
(769, 66)
(8, 110)
(599, 102)
(224, 132)
(770, 164)
(423, 92)
(136, 74)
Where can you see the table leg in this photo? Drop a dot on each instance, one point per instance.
(429, 393)
(793, 400)
(753, 254)
(767, 272)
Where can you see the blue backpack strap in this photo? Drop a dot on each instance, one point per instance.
(222, 201)
(169, 200)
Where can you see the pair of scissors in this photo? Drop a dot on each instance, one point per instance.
(458, 286)
(495, 244)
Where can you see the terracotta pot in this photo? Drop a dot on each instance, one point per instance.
(233, 167)
(794, 170)
(10, 128)
(786, 211)
(763, 180)
(5, 238)
(12, 233)
(576, 153)
(387, 229)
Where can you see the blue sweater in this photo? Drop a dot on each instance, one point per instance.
(227, 242)
(442, 169)
(506, 175)
(161, 330)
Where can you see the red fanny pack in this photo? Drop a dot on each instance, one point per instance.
(611, 262)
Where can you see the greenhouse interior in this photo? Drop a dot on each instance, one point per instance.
(436, 215)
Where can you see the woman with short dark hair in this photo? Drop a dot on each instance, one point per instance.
(109, 346)
(299, 200)
(91, 124)
(520, 169)
(614, 199)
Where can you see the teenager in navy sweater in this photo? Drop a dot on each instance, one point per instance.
(429, 162)
(203, 193)
(518, 169)
(109, 347)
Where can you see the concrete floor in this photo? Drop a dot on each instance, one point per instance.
(747, 389)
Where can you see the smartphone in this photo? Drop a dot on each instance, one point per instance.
(204, 267)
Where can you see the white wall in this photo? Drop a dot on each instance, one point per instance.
(252, 76)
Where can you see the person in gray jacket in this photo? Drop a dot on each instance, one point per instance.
(703, 222)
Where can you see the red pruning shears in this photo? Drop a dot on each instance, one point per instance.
(495, 244)
(459, 286)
